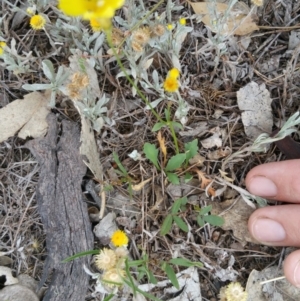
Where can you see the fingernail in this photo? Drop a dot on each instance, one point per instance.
(267, 230)
(297, 274)
(262, 186)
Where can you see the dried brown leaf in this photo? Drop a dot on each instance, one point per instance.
(28, 115)
(162, 146)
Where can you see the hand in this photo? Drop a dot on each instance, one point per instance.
(278, 225)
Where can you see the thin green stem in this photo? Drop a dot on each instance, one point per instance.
(108, 34)
(174, 137)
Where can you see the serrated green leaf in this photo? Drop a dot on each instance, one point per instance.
(167, 225)
(171, 275)
(205, 210)
(157, 126)
(187, 177)
(200, 221)
(175, 162)
(151, 153)
(191, 149)
(173, 178)
(214, 220)
(181, 223)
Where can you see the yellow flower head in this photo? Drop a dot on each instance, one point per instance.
(2, 46)
(174, 73)
(258, 2)
(170, 26)
(37, 22)
(106, 259)
(171, 84)
(99, 24)
(119, 238)
(113, 275)
(89, 9)
(235, 292)
(182, 21)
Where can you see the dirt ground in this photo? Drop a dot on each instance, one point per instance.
(209, 84)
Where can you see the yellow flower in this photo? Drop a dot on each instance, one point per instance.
(37, 22)
(106, 259)
(235, 292)
(89, 9)
(99, 24)
(119, 238)
(2, 46)
(171, 84)
(182, 21)
(174, 73)
(113, 275)
(170, 26)
(258, 2)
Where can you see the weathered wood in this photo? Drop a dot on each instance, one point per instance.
(62, 210)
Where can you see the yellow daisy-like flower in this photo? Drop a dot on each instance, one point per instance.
(174, 73)
(37, 22)
(235, 292)
(2, 46)
(113, 275)
(89, 9)
(182, 21)
(98, 24)
(171, 84)
(119, 238)
(170, 26)
(106, 259)
(258, 2)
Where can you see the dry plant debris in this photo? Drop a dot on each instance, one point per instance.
(218, 73)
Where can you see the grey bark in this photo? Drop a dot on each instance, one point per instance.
(62, 210)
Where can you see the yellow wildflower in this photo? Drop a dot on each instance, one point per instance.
(170, 26)
(106, 259)
(182, 21)
(99, 24)
(235, 292)
(119, 238)
(113, 275)
(37, 22)
(174, 73)
(258, 2)
(171, 84)
(89, 9)
(2, 46)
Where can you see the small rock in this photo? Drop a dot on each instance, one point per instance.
(17, 292)
(10, 279)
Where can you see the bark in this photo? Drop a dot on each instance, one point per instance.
(62, 210)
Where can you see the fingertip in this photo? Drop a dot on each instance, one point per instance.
(292, 268)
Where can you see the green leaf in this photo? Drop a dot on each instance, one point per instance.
(200, 221)
(171, 274)
(151, 153)
(191, 149)
(158, 126)
(182, 262)
(173, 178)
(214, 220)
(121, 167)
(90, 252)
(177, 204)
(167, 224)
(167, 114)
(181, 223)
(175, 162)
(185, 262)
(187, 177)
(109, 297)
(205, 210)
(151, 277)
(177, 125)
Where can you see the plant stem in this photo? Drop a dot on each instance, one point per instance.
(174, 137)
(108, 34)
